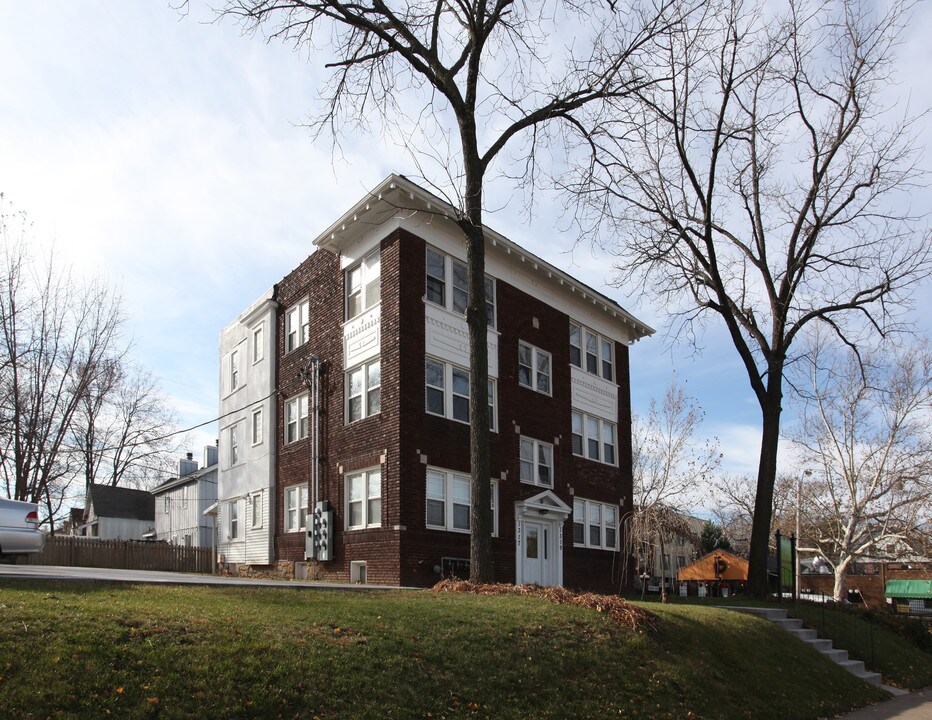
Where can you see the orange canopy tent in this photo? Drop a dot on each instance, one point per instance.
(717, 565)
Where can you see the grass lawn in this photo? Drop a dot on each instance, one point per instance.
(88, 650)
(900, 662)
(882, 650)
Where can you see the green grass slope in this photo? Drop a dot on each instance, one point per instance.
(88, 651)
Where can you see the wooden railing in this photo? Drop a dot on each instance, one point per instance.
(75, 551)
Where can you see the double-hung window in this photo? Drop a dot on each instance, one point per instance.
(591, 352)
(593, 438)
(533, 368)
(595, 524)
(364, 499)
(296, 419)
(255, 510)
(536, 462)
(234, 370)
(446, 392)
(448, 501)
(296, 508)
(297, 325)
(364, 391)
(234, 445)
(258, 344)
(234, 520)
(447, 285)
(363, 284)
(257, 426)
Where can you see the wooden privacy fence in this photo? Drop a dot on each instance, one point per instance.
(75, 551)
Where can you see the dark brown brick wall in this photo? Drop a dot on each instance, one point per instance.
(403, 550)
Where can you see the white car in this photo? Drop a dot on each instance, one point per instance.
(19, 528)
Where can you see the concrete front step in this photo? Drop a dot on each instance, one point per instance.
(809, 636)
(789, 623)
(838, 656)
(821, 645)
(804, 634)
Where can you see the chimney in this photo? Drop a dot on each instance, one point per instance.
(187, 465)
(210, 455)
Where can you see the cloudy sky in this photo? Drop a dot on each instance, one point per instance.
(166, 153)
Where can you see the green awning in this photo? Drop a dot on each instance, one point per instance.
(916, 589)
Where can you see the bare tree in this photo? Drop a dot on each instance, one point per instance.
(122, 429)
(484, 76)
(71, 404)
(54, 333)
(868, 444)
(734, 507)
(670, 465)
(763, 181)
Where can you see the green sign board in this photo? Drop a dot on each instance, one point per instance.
(787, 563)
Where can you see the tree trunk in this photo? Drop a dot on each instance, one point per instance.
(480, 548)
(771, 407)
(841, 574)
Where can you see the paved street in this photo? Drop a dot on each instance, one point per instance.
(51, 572)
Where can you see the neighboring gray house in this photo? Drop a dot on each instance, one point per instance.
(116, 513)
(180, 503)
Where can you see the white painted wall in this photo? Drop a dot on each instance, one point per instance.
(253, 473)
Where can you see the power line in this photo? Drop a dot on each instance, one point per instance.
(185, 430)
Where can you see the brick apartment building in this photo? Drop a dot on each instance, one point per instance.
(369, 329)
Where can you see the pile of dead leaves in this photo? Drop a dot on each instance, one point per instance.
(621, 612)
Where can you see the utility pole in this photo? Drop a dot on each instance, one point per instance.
(799, 493)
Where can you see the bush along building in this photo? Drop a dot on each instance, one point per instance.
(344, 393)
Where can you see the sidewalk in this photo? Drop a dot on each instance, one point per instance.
(913, 706)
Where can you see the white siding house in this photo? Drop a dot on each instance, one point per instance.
(244, 509)
(116, 513)
(180, 503)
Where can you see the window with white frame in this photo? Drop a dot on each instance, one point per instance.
(234, 370)
(297, 326)
(595, 524)
(255, 510)
(448, 501)
(296, 508)
(593, 438)
(296, 419)
(536, 462)
(591, 352)
(533, 368)
(447, 392)
(447, 285)
(233, 525)
(233, 434)
(364, 391)
(258, 343)
(256, 426)
(364, 499)
(363, 283)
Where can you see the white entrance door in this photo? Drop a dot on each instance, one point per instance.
(537, 553)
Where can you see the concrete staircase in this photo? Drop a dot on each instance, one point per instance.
(809, 636)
